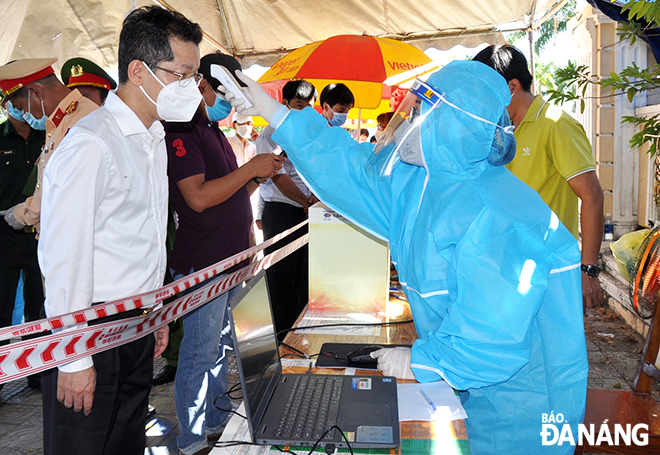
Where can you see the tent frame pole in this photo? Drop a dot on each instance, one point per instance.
(531, 59)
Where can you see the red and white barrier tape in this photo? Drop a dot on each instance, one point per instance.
(147, 299)
(27, 357)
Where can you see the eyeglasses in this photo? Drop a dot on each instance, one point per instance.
(184, 79)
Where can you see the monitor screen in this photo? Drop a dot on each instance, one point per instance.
(255, 342)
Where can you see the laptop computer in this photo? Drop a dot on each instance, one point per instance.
(282, 409)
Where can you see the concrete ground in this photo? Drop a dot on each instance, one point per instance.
(614, 351)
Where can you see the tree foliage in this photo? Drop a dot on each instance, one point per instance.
(544, 72)
(643, 9)
(631, 81)
(548, 30)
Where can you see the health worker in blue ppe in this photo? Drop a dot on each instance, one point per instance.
(492, 276)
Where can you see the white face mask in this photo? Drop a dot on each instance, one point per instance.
(379, 134)
(35, 123)
(408, 142)
(175, 103)
(244, 131)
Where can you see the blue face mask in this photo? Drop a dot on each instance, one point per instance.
(503, 148)
(338, 119)
(35, 123)
(15, 113)
(219, 111)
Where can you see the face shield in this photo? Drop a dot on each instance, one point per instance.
(409, 111)
(402, 139)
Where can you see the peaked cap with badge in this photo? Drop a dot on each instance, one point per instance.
(80, 71)
(19, 73)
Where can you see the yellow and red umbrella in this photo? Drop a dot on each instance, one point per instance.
(364, 63)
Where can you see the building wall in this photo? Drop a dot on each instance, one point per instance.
(626, 174)
(623, 171)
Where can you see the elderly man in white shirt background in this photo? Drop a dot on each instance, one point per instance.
(244, 148)
(286, 200)
(104, 218)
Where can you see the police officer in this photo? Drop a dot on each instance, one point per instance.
(47, 105)
(20, 146)
(89, 78)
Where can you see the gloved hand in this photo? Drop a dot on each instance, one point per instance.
(394, 362)
(11, 220)
(263, 105)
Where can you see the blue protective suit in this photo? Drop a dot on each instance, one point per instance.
(492, 276)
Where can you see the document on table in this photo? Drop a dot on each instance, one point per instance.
(237, 430)
(318, 317)
(413, 405)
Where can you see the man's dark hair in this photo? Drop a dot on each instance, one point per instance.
(509, 62)
(300, 89)
(336, 94)
(146, 34)
(219, 58)
(364, 132)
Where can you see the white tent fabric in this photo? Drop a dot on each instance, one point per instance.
(258, 31)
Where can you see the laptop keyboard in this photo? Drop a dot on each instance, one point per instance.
(312, 407)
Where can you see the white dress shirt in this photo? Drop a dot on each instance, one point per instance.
(269, 191)
(244, 151)
(104, 213)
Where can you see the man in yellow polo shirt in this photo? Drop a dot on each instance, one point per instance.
(553, 156)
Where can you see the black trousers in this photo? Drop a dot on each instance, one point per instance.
(18, 253)
(288, 280)
(117, 422)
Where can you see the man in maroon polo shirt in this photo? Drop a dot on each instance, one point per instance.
(211, 197)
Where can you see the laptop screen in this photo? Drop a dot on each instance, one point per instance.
(255, 342)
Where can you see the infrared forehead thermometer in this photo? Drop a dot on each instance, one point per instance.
(226, 79)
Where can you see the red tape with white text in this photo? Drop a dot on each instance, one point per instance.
(144, 300)
(21, 359)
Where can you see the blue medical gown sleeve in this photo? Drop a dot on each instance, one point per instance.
(333, 165)
(495, 294)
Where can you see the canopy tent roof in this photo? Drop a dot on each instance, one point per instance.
(259, 31)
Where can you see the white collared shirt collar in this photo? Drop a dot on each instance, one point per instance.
(128, 121)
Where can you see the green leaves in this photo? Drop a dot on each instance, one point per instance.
(649, 131)
(642, 9)
(630, 82)
(570, 81)
(547, 31)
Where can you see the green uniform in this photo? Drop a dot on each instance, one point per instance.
(18, 248)
(552, 148)
(18, 159)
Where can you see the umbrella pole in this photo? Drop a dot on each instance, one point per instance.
(359, 125)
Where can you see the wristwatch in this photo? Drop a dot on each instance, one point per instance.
(591, 269)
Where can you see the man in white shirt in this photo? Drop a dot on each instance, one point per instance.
(244, 148)
(104, 218)
(286, 200)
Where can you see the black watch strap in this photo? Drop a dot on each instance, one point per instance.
(591, 269)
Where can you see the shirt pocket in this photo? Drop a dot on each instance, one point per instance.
(9, 157)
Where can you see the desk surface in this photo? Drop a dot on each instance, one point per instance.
(417, 437)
